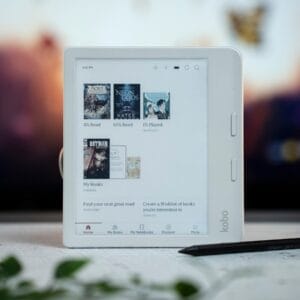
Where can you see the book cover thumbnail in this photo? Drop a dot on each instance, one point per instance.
(97, 101)
(133, 167)
(126, 101)
(96, 158)
(157, 105)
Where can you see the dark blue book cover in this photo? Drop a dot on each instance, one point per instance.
(126, 101)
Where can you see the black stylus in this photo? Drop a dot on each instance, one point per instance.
(251, 246)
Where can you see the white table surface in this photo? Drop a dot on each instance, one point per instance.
(39, 246)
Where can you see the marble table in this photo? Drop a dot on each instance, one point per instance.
(276, 273)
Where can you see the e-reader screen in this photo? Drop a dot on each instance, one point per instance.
(141, 146)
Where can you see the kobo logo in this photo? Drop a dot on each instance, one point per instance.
(224, 221)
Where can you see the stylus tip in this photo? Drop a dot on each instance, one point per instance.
(183, 251)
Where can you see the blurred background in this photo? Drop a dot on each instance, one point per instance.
(33, 34)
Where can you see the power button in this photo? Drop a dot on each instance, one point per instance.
(233, 124)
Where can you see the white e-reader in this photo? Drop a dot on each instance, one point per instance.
(153, 153)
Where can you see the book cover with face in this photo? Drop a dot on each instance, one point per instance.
(96, 159)
(156, 105)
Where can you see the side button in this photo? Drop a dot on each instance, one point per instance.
(233, 124)
(234, 169)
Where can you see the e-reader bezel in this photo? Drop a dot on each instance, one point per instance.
(225, 206)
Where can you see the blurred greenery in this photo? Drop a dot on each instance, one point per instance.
(68, 268)
(65, 285)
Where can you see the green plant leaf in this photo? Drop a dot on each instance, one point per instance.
(185, 289)
(46, 294)
(10, 267)
(4, 294)
(68, 268)
(136, 280)
(25, 284)
(106, 287)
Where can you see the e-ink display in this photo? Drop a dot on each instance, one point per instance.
(141, 151)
